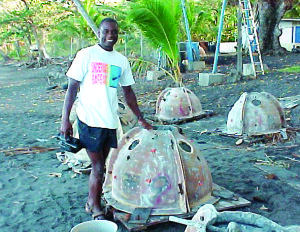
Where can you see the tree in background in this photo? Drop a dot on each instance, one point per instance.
(28, 22)
(52, 23)
(203, 18)
(159, 21)
(294, 12)
(270, 13)
(75, 26)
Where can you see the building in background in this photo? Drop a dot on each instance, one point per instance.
(290, 37)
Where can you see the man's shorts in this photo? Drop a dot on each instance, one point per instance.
(94, 138)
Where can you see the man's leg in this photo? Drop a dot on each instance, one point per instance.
(96, 179)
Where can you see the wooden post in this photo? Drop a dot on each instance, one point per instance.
(71, 47)
(239, 43)
(141, 42)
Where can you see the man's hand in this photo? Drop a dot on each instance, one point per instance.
(145, 124)
(66, 129)
(130, 99)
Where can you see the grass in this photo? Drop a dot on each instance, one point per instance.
(292, 69)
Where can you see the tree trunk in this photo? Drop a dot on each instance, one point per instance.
(87, 18)
(38, 43)
(5, 57)
(270, 14)
(33, 29)
(17, 46)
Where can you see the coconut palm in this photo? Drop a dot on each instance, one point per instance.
(159, 21)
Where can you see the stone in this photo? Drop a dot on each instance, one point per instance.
(248, 69)
(233, 76)
(206, 79)
(196, 65)
(154, 75)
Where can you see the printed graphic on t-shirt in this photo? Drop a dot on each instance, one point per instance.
(105, 74)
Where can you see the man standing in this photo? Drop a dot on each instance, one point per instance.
(98, 70)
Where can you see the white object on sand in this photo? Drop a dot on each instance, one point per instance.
(96, 226)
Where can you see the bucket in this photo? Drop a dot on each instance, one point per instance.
(96, 226)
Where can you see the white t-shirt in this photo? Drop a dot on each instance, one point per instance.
(99, 73)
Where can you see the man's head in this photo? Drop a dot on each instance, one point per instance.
(108, 33)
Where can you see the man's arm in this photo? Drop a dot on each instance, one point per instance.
(66, 127)
(130, 100)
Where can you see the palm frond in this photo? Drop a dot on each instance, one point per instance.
(159, 21)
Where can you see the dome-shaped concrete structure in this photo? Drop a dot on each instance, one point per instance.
(126, 116)
(255, 114)
(175, 104)
(159, 169)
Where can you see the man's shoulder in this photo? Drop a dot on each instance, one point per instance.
(88, 49)
(86, 52)
(120, 55)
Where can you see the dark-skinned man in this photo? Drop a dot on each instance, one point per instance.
(97, 71)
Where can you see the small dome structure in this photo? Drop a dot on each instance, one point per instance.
(159, 169)
(126, 116)
(175, 104)
(255, 114)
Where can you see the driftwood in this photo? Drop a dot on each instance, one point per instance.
(209, 219)
(27, 150)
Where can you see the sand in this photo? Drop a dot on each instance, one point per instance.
(39, 193)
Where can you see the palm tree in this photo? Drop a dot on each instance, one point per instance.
(159, 21)
(86, 16)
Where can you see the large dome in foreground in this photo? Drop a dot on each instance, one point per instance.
(159, 169)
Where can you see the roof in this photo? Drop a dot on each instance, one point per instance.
(295, 20)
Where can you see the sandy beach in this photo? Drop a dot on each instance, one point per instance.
(39, 193)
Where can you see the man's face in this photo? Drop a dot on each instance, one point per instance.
(108, 35)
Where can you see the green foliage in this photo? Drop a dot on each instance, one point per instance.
(159, 21)
(203, 18)
(59, 22)
(27, 21)
(139, 67)
(74, 25)
(294, 12)
(293, 69)
(229, 33)
(55, 22)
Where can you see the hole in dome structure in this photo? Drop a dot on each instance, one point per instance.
(172, 144)
(198, 158)
(181, 192)
(155, 136)
(121, 105)
(256, 102)
(128, 157)
(180, 131)
(185, 146)
(133, 144)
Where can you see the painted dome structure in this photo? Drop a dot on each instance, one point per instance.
(158, 169)
(126, 116)
(256, 114)
(175, 104)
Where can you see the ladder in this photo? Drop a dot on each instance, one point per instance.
(252, 38)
